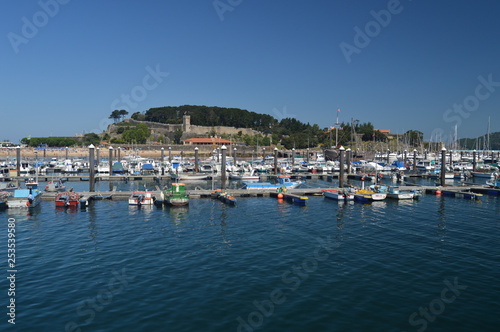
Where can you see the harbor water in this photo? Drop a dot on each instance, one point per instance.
(264, 265)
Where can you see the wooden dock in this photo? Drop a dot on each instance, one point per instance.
(472, 192)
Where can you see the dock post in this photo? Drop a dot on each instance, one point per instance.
(223, 167)
(348, 160)
(18, 160)
(162, 154)
(405, 157)
(66, 153)
(414, 159)
(263, 153)
(276, 161)
(474, 160)
(388, 153)
(308, 155)
(119, 153)
(196, 160)
(97, 155)
(234, 157)
(451, 159)
(91, 168)
(44, 153)
(110, 160)
(293, 156)
(443, 164)
(341, 174)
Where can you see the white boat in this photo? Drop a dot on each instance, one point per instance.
(54, 186)
(141, 198)
(188, 176)
(246, 176)
(340, 195)
(425, 165)
(394, 192)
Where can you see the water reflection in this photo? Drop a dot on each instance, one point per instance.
(178, 214)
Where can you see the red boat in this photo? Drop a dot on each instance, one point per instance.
(67, 199)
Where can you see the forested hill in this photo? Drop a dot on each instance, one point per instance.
(290, 132)
(209, 116)
(479, 143)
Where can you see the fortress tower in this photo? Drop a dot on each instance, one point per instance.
(186, 123)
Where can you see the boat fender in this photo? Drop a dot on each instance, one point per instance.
(280, 195)
(28, 203)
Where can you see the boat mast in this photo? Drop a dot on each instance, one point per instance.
(337, 128)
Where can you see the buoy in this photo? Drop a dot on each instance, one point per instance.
(438, 192)
(280, 196)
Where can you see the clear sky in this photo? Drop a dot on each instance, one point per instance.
(424, 65)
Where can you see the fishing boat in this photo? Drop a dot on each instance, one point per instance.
(176, 195)
(364, 195)
(55, 186)
(141, 198)
(340, 195)
(67, 199)
(395, 192)
(283, 181)
(25, 198)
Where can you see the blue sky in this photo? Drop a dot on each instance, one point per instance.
(401, 65)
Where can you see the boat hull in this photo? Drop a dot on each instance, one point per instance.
(337, 195)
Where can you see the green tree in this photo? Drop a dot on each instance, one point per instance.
(122, 114)
(115, 116)
(91, 138)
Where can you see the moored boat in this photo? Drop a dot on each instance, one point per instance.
(55, 186)
(227, 199)
(176, 195)
(364, 195)
(395, 192)
(345, 195)
(141, 198)
(283, 181)
(25, 198)
(189, 176)
(67, 199)
(4, 195)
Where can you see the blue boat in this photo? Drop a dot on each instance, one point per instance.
(283, 181)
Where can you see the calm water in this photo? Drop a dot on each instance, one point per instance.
(264, 265)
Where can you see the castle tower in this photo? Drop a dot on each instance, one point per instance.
(186, 123)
